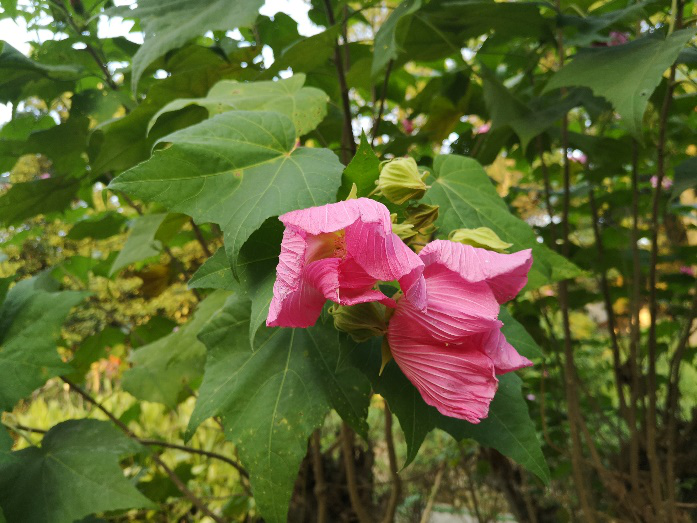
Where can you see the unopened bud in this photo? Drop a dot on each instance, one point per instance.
(361, 321)
(422, 215)
(401, 181)
(482, 237)
(403, 230)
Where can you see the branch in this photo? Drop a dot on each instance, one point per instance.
(350, 466)
(172, 476)
(320, 484)
(381, 110)
(347, 142)
(396, 491)
(426, 514)
(200, 238)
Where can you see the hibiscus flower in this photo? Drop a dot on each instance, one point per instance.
(339, 252)
(453, 351)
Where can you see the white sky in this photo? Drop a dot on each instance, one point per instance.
(15, 32)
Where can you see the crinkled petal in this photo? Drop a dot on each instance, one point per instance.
(506, 274)
(456, 309)
(323, 275)
(384, 256)
(458, 381)
(503, 354)
(336, 216)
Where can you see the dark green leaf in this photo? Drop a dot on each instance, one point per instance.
(74, 473)
(26, 200)
(162, 370)
(362, 170)
(685, 176)
(236, 169)
(625, 75)
(98, 227)
(215, 273)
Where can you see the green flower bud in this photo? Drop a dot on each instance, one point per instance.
(403, 230)
(401, 181)
(482, 237)
(361, 322)
(422, 215)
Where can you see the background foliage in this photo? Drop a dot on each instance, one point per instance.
(138, 202)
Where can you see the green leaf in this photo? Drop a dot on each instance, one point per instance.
(215, 273)
(236, 169)
(306, 106)
(30, 324)
(625, 75)
(147, 238)
(685, 176)
(362, 170)
(98, 227)
(163, 369)
(517, 335)
(168, 25)
(508, 428)
(386, 46)
(20, 76)
(28, 199)
(73, 474)
(272, 398)
(306, 55)
(467, 198)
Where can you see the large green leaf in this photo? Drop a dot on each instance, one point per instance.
(30, 323)
(20, 76)
(306, 106)
(387, 46)
(170, 24)
(236, 169)
(363, 170)
(147, 238)
(28, 199)
(271, 399)
(508, 428)
(215, 273)
(98, 227)
(162, 370)
(73, 474)
(467, 198)
(625, 75)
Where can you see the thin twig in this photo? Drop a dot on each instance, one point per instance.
(200, 238)
(347, 450)
(426, 514)
(172, 476)
(381, 109)
(396, 490)
(320, 484)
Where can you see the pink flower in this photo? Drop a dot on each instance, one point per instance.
(666, 184)
(453, 351)
(339, 252)
(485, 128)
(685, 269)
(408, 126)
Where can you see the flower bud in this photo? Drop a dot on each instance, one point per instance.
(482, 237)
(361, 321)
(422, 215)
(401, 181)
(403, 230)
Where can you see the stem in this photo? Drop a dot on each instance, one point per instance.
(378, 117)
(651, 422)
(320, 484)
(616, 360)
(192, 450)
(635, 335)
(426, 515)
(396, 491)
(350, 466)
(200, 238)
(348, 144)
(172, 476)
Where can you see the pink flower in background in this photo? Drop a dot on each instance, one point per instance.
(485, 128)
(339, 252)
(408, 126)
(453, 351)
(666, 184)
(689, 271)
(618, 38)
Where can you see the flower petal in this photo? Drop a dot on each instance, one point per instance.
(503, 354)
(336, 216)
(458, 381)
(506, 274)
(456, 309)
(294, 302)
